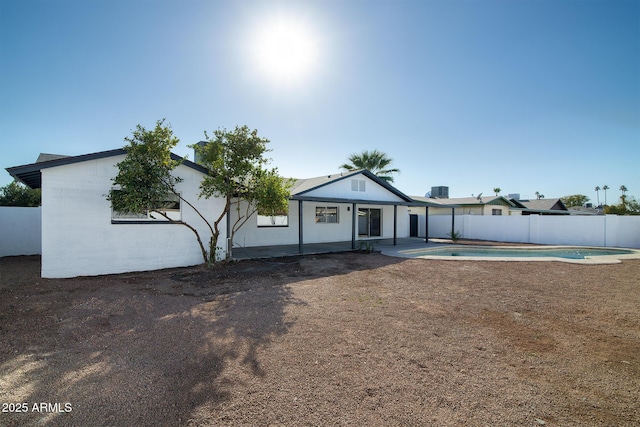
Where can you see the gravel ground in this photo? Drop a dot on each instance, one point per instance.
(341, 339)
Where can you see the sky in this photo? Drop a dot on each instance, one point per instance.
(525, 95)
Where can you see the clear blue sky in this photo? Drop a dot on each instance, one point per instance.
(523, 95)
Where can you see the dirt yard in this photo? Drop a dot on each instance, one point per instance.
(343, 339)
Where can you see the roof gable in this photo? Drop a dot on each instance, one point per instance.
(338, 186)
(544, 204)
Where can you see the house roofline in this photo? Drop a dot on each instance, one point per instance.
(369, 175)
(31, 176)
(356, 201)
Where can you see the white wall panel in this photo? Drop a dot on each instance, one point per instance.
(20, 231)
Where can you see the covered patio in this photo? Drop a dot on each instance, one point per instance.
(262, 252)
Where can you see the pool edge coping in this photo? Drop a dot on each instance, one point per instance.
(589, 260)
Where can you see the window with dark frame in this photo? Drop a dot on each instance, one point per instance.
(496, 211)
(327, 214)
(170, 207)
(278, 219)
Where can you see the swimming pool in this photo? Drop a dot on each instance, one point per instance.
(588, 255)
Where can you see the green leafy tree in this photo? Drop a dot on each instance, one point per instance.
(16, 194)
(239, 174)
(497, 190)
(374, 161)
(145, 178)
(627, 206)
(574, 200)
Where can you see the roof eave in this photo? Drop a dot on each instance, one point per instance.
(31, 174)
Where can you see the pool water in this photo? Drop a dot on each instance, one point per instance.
(567, 253)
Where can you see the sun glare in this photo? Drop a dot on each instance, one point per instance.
(285, 50)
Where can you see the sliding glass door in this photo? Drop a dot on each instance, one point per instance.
(369, 222)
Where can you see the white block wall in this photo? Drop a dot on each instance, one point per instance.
(20, 231)
(607, 230)
(78, 238)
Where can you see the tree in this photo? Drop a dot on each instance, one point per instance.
(598, 194)
(497, 190)
(374, 161)
(605, 188)
(539, 195)
(16, 194)
(574, 200)
(145, 178)
(238, 173)
(623, 189)
(628, 206)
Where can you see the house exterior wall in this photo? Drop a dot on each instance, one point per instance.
(20, 229)
(251, 235)
(78, 238)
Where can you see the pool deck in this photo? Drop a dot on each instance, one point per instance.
(407, 248)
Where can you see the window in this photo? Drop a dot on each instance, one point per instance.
(358, 185)
(327, 214)
(496, 211)
(169, 207)
(279, 219)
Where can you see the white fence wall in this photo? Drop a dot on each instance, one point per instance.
(20, 231)
(607, 230)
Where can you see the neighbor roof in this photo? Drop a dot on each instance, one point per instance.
(465, 201)
(31, 174)
(544, 204)
(44, 157)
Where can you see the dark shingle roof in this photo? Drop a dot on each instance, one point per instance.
(31, 176)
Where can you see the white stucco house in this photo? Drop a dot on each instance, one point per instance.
(82, 236)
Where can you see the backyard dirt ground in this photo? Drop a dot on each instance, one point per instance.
(340, 339)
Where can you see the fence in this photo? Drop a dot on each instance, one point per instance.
(20, 231)
(604, 230)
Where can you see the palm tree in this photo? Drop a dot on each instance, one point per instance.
(598, 194)
(605, 188)
(539, 195)
(497, 190)
(623, 198)
(373, 161)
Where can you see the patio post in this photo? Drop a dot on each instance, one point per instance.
(453, 221)
(395, 225)
(353, 226)
(300, 227)
(426, 224)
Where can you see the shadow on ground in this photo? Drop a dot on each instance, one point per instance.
(152, 348)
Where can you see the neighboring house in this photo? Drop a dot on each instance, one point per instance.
(583, 210)
(82, 236)
(539, 207)
(479, 205)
